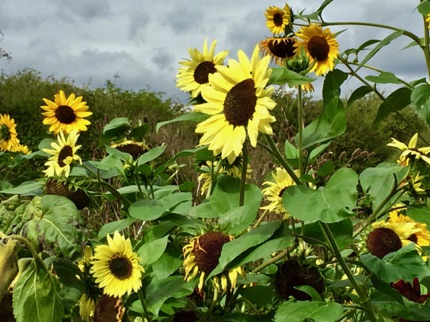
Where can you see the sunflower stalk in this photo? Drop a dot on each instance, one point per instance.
(300, 128)
(145, 314)
(367, 305)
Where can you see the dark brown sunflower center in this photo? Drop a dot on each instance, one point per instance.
(65, 152)
(318, 48)
(413, 238)
(65, 114)
(120, 266)
(134, 149)
(278, 19)
(282, 48)
(282, 192)
(382, 241)
(201, 74)
(4, 133)
(208, 250)
(240, 102)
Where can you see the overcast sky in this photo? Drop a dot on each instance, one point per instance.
(142, 41)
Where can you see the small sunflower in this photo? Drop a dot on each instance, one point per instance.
(410, 151)
(8, 136)
(66, 114)
(212, 169)
(202, 255)
(238, 103)
(277, 19)
(134, 148)
(195, 73)
(320, 46)
(21, 148)
(63, 155)
(278, 48)
(116, 267)
(275, 189)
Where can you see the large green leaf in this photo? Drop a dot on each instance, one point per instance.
(151, 154)
(379, 182)
(359, 93)
(151, 209)
(332, 203)
(116, 128)
(308, 311)
(25, 188)
(396, 101)
(36, 297)
(407, 310)
(151, 251)
(420, 98)
(111, 227)
(192, 116)
(224, 202)
(282, 76)
(239, 246)
(405, 264)
(342, 232)
(58, 227)
(332, 122)
(384, 78)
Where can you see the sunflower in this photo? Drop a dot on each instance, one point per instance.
(278, 48)
(134, 148)
(428, 20)
(63, 155)
(212, 169)
(278, 19)
(66, 114)
(194, 76)
(238, 103)
(87, 302)
(201, 255)
(116, 267)
(21, 148)
(320, 46)
(275, 189)
(410, 152)
(8, 136)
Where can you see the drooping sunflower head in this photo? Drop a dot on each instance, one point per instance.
(109, 308)
(238, 103)
(278, 19)
(274, 190)
(8, 136)
(66, 114)
(68, 189)
(201, 256)
(63, 155)
(194, 75)
(320, 46)
(134, 148)
(280, 49)
(116, 267)
(293, 273)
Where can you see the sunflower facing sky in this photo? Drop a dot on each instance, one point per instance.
(201, 255)
(8, 137)
(194, 75)
(66, 114)
(63, 155)
(277, 18)
(320, 46)
(238, 103)
(116, 267)
(274, 190)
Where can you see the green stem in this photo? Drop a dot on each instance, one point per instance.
(145, 314)
(33, 252)
(274, 259)
(243, 177)
(300, 128)
(367, 305)
(425, 46)
(275, 152)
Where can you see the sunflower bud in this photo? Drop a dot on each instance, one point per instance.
(8, 265)
(299, 63)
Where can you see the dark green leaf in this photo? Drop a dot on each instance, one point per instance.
(396, 101)
(420, 98)
(192, 116)
(151, 251)
(359, 93)
(116, 128)
(313, 311)
(384, 78)
(25, 188)
(419, 213)
(111, 227)
(151, 154)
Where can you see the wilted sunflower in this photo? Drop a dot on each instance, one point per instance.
(195, 73)
(278, 48)
(116, 267)
(410, 152)
(239, 103)
(277, 19)
(8, 136)
(66, 114)
(63, 155)
(320, 46)
(202, 255)
(275, 189)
